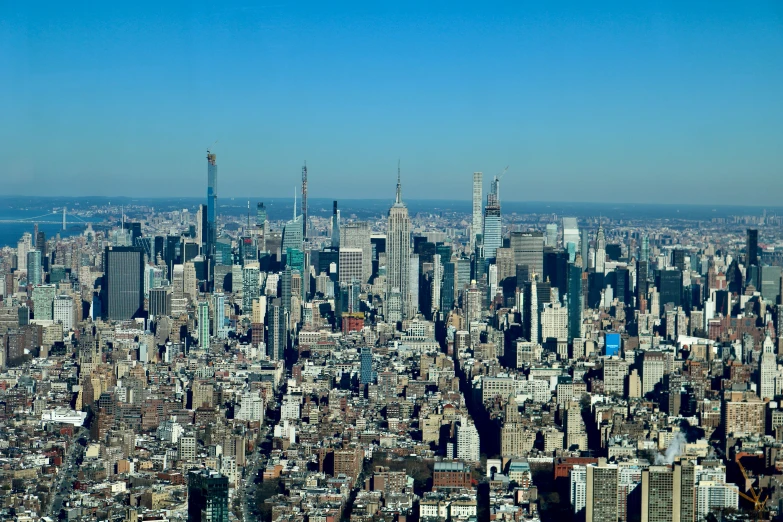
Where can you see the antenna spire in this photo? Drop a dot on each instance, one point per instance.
(399, 188)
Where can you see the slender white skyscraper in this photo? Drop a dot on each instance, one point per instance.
(600, 250)
(398, 249)
(477, 226)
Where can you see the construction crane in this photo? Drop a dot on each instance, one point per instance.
(756, 498)
(496, 184)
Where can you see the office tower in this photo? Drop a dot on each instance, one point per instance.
(304, 201)
(644, 250)
(447, 289)
(212, 179)
(292, 234)
(657, 497)
(528, 250)
(357, 235)
(752, 248)
(683, 481)
(768, 372)
(43, 302)
(203, 325)
(260, 215)
(622, 284)
(202, 228)
(277, 334)
(653, 368)
(159, 249)
(530, 316)
(554, 322)
(551, 235)
(574, 426)
(462, 274)
(670, 286)
(770, 283)
(190, 280)
(34, 272)
(473, 301)
(160, 301)
(476, 227)
(399, 249)
(601, 493)
(335, 226)
(413, 287)
(575, 300)
(365, 358)
(436, 284)
(63, 311)
(251, 287)
(600, 250)
(493, 229)
(123, 285)
(207, 496)
(351, 264)
(570, 233)
(468, 444)
(40, 245)
(678, 259)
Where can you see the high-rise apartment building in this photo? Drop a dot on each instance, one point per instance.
(601, 493)
(657, 497)
(34, 272)
(468, 446)
(212, 190)
(476, 226)
(398, 250)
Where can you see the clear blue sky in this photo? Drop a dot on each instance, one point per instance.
(586, 101)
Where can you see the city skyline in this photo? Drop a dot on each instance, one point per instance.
(584, 103)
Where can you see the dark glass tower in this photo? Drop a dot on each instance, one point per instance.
(752, 247)
(207, 496)
(575, 300)
(211, 202)
(123, 285)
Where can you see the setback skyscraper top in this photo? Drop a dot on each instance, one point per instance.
(398, 247)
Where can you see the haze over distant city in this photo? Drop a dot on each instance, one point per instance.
(665, 103)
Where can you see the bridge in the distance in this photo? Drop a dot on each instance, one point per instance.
(41, 221)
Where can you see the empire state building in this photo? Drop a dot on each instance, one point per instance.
(398, 251)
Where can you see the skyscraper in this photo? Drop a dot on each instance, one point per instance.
(600, 250)
(357, 235)
(601, 493)
(277, 318)
(207, 496)
(335, 226)
(203, 325)
(476, 226)
(657, 494)
(211, 202)
(366, 365)
(493, 232)
(575, 300)
(528, 250)
(399, 248)
(570, 233)
(34, 273)
(123, 283)
(752, 247)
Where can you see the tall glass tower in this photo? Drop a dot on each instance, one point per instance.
(493, 238)
(211, 202)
